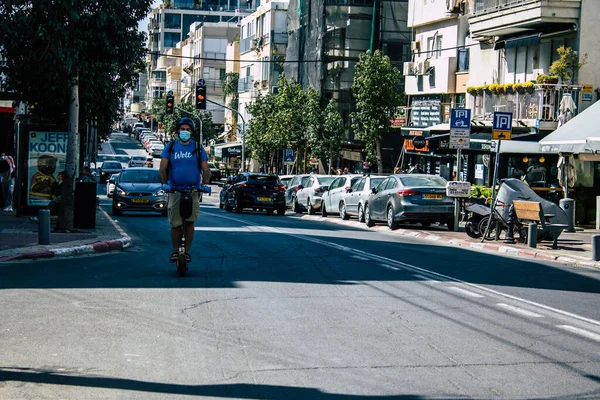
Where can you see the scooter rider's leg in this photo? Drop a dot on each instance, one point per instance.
(176, 235)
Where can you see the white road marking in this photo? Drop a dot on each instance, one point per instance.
(390, 267)
(426, 278)
(465, 292)
(361, 258)
(519, 310)
(387, 261)
(581, 332)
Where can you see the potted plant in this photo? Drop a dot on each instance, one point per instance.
(518, 88)
(472, 90)
(567, 65)
(494, 88)
(480, 90)
(529, 87)
(509, 88)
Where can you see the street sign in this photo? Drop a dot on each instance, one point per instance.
(201, 82)
(288, 156)
(458, 189)
(419, 142)
(460, 118)
(501, 135)
(460, 138)
(502, 126)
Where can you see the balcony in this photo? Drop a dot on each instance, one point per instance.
(279, 37)
(245, 84)
(512, 17)
(246, 44)
(540, 108)
(437, 75)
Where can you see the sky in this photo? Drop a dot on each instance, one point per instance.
(143, 25)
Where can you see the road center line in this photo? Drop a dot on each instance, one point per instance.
(465, 292)
(416, 269)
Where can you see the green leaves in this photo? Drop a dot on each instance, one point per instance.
(100, 38)
(376, 89)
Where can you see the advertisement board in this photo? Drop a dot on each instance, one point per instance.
(45, 166)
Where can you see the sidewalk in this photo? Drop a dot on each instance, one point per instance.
(19, 239)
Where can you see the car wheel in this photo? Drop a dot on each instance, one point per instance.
(237, 206)
(281, 210)
(309, 207)
(227, 206)
(323, 210)
(390, 218)
(361, 214)
(368, 221)
(450, 224)
(425, 224)
(343, 213)
(115, 211)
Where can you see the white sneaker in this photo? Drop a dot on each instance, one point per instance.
(8, 209)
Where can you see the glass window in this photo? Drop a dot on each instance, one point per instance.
(413, 181)
(172, 21)
(463, 60)
(325, 181)
(359, 186)
(376, 181)
(382, 185)
(171, 39)
(392, 183)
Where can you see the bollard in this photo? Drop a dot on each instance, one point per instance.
(597, 212)
(596, 247)
(532, 235)
(510, 239)
(568, 205)
(44, 226)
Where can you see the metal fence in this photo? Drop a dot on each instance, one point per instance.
(480, 6)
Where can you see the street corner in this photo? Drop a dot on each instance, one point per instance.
(28, 256)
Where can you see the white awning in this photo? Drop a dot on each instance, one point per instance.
(580, 135)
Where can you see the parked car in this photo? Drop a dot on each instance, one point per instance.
(110, 185)
(410, 198)
(137, 161)
(311, 191)
(215, 172)
(354, 200)
(156, 149)
(285, 179)
(139, 189)
(291, 190)
(224, 189)
(257, 191)
(108, 168)
(331, 202)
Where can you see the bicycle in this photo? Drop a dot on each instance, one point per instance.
(185, 210)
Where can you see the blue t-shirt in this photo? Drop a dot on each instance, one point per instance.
(183, 164)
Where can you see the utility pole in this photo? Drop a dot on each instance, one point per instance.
(67, 211)
(243, 131)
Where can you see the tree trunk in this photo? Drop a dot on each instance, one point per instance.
(66, 220)
(379, 159)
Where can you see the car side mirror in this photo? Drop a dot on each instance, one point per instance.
(299, 187)
(374, 190)
(349, 190)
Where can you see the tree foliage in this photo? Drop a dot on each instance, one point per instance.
(326, 140)
(261, 137)
(44, 41)
(230, 88)
(567, 65)
(170, 121)
(376, 89)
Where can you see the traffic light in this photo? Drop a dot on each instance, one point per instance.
(200, 97)
(170, 104)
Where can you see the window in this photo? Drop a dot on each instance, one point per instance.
(463, 59)
(171, 39)
(438, 46)
(172, 21)
(375, 182)
(430, 44)
(359, 186)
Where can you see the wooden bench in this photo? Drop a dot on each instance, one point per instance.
(532, 211)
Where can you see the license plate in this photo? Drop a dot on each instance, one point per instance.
(139, 200)
(432, 196)
(264, 199)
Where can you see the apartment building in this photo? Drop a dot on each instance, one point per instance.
(170, 24)
(262, 47)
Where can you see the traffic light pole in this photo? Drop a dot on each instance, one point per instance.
(243, 131)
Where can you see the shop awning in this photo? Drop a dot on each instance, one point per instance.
(519, 41)
(580, 135)
(227, 150)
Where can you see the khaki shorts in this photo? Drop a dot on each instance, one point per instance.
(173, 207)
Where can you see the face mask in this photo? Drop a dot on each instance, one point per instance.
(185, 136)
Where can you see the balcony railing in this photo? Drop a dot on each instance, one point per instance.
(480, 6)
(245, 84)
(542, 105)
(246, 44)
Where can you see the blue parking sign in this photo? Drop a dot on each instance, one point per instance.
(502, 121)
(460, 118)
(288, 156)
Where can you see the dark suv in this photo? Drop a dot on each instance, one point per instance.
(215, 172)
(257, 191)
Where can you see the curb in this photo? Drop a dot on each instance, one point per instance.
(102, 246)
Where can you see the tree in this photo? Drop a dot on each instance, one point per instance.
(326, 140)
(230, 88)
(261, 136)
(72, 60)
(376, 89)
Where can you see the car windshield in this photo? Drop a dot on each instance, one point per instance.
(111, 165)
(414, 181)
(376, 181)
(326, 180)
(146, 176)
(263, 178)
(138, 158)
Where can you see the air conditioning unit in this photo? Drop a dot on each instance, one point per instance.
(419, 68)
(415, 46)
(408, 68)
(453, 5)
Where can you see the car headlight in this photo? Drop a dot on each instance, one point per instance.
(121, 191)
(159, 192)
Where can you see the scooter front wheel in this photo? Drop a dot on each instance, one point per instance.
(472, 230)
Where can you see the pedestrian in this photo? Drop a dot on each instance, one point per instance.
(85, 174)
(7, 180)
(346, 171)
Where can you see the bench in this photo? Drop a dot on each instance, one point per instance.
(532, 211)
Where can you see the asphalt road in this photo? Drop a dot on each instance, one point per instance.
(288, 308)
